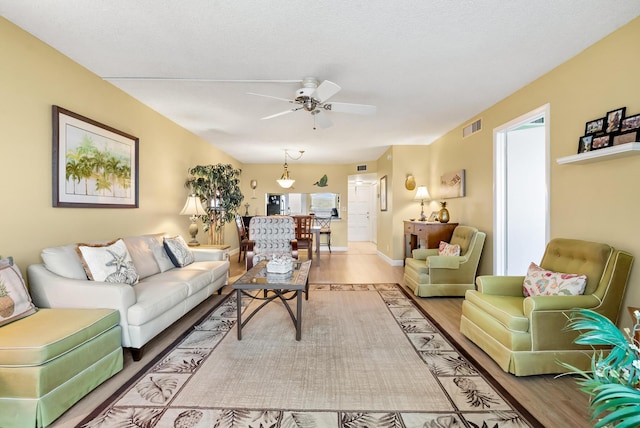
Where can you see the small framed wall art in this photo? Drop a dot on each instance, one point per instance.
(595, 126)
(625, 137)
(584, 145)
(383, 193)
(630, 123)
(601, 142)
(614, 119)
(94, 165)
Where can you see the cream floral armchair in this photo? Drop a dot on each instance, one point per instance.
(429, 274)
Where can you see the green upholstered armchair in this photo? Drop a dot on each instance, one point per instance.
(527, 335)
(428, 274)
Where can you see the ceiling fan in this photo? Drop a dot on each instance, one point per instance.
(312, 97)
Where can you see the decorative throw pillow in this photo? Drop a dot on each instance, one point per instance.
(178, 251)
(110, 262)
(445, 249)
(15, 302)
(541, 282)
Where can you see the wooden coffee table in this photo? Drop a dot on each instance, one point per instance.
(275, 286)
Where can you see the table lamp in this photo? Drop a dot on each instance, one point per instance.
(194, 208)
(421, 194)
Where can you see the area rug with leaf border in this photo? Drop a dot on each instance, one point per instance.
(369, 357)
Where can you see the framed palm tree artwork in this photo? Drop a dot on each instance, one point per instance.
(94, 165)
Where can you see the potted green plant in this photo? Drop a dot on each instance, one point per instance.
(219, 191)
(614, 379)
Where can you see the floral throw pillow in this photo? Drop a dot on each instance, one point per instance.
(178, 251)
(445, 249)
(542, 282)
(109, 262)
(15, 302)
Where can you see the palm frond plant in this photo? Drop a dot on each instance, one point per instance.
(218, 187)
(614, 380)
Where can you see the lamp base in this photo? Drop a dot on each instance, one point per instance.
(193, 231)
(193, 243)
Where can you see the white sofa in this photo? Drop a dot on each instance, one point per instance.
(163, 294)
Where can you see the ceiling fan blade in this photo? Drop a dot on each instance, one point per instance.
(322, 119)
(282, 113)
(325, 91)
(270, 96)
(351, 108)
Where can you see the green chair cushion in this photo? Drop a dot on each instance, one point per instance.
(507, 310)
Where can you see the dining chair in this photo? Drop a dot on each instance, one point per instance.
(243, 238)
(324, 223)
(304, 235)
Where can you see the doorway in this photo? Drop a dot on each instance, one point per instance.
(362, 218)
(521, 219)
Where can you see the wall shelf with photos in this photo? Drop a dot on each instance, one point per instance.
(613, 152)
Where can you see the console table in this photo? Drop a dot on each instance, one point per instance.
(431, 233)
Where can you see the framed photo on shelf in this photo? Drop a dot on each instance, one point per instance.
(433, 217)
(630, 123)
(383, 193)
(625, 137)
(94, 165)
(601, 142)
(614, 120)
(595, 126)
(584, 145)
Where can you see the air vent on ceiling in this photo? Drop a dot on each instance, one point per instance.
(472, 128)
(361, 168)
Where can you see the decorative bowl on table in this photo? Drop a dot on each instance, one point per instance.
(280, 264)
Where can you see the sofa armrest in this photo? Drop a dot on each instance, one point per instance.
(500, 285)
(49, 290)
(423, 253)
(559, 303)
(444, 262)
(207, 254)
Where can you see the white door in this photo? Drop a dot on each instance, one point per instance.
(522, 192)
(359, 224)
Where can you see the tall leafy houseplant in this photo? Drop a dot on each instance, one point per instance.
(219, 190)
(614, 379)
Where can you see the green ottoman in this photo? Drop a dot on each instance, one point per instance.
(53, 358)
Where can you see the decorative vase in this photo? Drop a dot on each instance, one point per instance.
(410, 182)
(443, 214)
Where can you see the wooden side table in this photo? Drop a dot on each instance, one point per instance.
(431, 233)
(223, 247)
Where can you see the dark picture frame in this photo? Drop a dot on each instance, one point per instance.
(94, 165)
(614, 119)
(383, 193)
(625, 137)
(630, 123)
(584, 144)
(600, 142)
(594, 126)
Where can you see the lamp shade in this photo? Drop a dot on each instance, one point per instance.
(422, 193)
(193, 206)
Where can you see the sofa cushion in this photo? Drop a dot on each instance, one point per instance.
(178, 251)
(142, 255)
(15, 302)
(48, 333)
(445, 249)
(542, 282)
(64, 261)
(156, 243)
(195, 279)
(109, 262)
(155, 296)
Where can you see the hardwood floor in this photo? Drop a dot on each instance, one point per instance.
(556, 402)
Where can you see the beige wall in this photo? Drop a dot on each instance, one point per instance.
(33, 77)
(597, 201)
(305, 175)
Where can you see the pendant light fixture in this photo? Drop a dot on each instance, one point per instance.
(285, 180)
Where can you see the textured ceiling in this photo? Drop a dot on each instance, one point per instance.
(428, 65)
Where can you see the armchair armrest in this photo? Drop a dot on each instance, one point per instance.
(500, 285)
(559, 303)
(423, 253)
(444, 262)
(207, 254)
